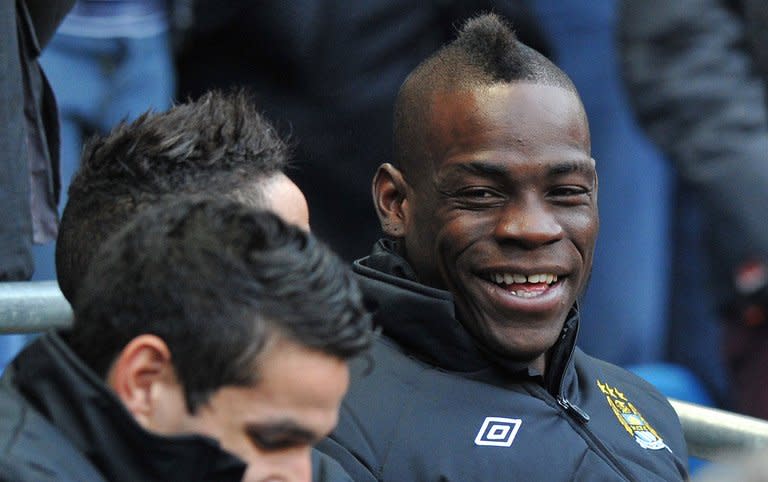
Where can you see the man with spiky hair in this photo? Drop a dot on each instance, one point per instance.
(217, 146)
(210, 343)
(490, 212)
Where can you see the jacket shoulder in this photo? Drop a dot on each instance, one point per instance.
(613, 382)
(384, 384)
(33, 449)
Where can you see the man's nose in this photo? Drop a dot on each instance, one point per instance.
(297, 465)
(292, 465)
(528, 221)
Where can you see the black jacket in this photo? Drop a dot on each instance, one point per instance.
(58, 421)
(430, 405)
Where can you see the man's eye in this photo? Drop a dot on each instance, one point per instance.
(568, 192)
(478, 193)
(276, 444)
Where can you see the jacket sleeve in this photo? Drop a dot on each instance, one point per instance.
(697, 92)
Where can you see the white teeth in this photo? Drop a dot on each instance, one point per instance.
(516, 278)
(524, 294)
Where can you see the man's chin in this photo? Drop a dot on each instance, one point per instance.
(529, 347)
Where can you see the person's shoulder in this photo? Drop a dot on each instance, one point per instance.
(619, 385)
(386, 365)
(606, 372)
(326, 469)
(35, 450)
(385, 382)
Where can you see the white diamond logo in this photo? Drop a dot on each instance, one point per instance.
(498, 431)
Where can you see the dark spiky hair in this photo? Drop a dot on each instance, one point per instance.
(217, 145)
(215, 280)
(486, 51)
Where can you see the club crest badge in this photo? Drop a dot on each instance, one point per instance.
(632, 421)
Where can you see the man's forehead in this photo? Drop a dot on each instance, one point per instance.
(518, 102)
(521, 116)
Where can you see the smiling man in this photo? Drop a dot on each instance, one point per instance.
(491, 214)
(210, 343)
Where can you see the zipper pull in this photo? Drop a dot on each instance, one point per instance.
(573, 410)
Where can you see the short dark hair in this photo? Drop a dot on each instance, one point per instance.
(215, 280)
(485, 52)
(218, 144)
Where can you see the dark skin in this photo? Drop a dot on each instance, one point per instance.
(504, 214)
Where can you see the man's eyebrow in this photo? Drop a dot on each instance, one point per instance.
(569, 167)
(479, 168)
(280, 431)
(494, 169)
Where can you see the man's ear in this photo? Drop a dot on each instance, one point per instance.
(145, 381)
(389, 199)
(597, 185)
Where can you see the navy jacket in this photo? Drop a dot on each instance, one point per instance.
(428, 404)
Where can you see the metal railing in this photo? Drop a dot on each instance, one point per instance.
(711, 434)
(28, 307)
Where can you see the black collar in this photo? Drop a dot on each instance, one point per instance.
(68, 394)
(423, 320)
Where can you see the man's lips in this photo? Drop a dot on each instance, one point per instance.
(532, 293)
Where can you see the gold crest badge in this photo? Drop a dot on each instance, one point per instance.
(631, 419)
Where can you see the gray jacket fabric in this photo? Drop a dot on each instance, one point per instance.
(697, 71)
(29, 137)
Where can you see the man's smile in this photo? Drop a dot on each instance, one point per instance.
(518, 292)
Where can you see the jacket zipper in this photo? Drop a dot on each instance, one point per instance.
(576, 413)
(573, 410)
(581, 417)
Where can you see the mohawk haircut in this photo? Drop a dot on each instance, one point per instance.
(218, 145)
(485, 52)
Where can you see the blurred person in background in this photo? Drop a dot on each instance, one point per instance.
(109, 61)
(698, 72)
(29, 141)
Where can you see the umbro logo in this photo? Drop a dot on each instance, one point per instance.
(498, 431)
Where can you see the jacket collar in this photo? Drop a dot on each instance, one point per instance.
(423, 320)
(67, 393)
